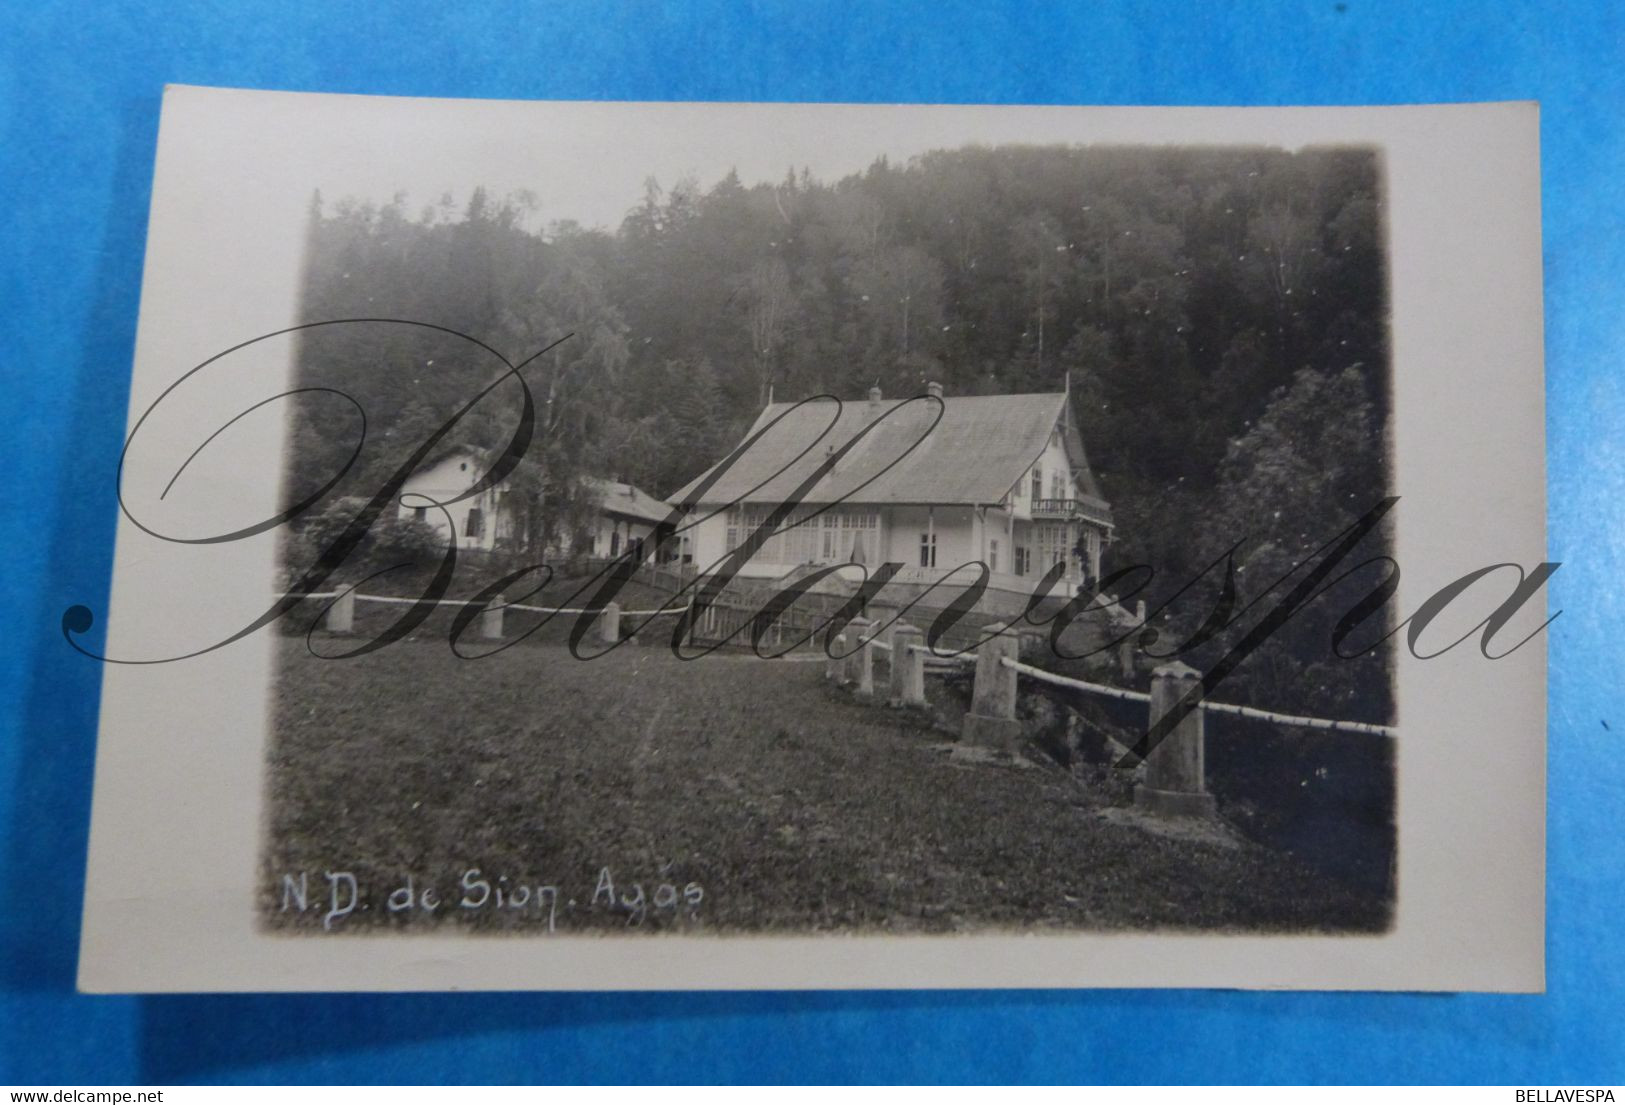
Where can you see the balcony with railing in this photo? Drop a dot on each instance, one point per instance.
(1068, 510)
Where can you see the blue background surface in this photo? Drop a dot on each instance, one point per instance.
(79, 95)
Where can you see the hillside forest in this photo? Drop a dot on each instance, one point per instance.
(1219, 315)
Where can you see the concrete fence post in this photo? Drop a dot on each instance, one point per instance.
(341, 615)
(885, 616)
(1125, 658)
(835, 666)
(1174, 782)
(992, 722)
(609, 623)
(907, 667)
(491, 619)
(860, 665)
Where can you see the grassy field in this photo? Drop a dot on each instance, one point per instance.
(726, 794)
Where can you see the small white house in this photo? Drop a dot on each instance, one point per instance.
(625, 513)
(477, 522)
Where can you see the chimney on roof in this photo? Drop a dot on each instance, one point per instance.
(874, 396)
(934, 390)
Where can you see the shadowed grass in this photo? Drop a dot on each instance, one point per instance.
(777, 801)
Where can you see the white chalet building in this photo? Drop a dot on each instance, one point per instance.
(1002, 479)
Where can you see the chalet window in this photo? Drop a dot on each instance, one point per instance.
(992, 556)
(420, 514)
(798, 540)
(1021, 560)
(475, 525)
(1054, 545)
(1038, 483)
(809, 535)
(928, 550)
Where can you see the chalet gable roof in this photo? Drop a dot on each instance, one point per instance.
(975, 454)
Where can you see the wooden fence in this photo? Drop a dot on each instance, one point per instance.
(339, 616)
(1174, 782)
(741, 624)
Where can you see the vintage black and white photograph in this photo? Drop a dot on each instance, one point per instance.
(659, 546)
(847, 535)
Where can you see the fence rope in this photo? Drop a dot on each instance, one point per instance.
(956, 658)
(1077, 684)
(930, 655)
(583, 610)
(1302, 722)
(472, 602)
(779, 658)
(943, 664)
(1216, 707)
